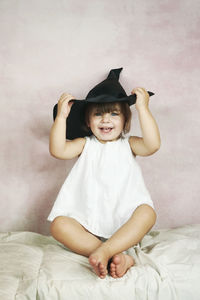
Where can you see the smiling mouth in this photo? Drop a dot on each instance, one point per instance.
(106, 129)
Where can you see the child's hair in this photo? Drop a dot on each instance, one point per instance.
(107, 108)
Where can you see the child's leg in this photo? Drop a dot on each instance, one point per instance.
(75, 237)
(132, 232)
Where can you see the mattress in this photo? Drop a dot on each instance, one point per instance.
(34, 266)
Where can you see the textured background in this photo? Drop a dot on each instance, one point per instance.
(49, 47)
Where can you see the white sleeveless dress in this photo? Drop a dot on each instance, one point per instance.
(103, 188)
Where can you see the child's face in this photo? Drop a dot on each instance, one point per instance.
(106, 126)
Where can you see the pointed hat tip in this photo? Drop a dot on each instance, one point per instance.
(114, 73)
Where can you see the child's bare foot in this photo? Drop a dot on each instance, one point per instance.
(120, 264)
(99, 261)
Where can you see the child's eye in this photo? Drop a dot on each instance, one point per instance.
(97, 114)
(114, 114)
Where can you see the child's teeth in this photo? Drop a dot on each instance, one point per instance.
(106, 129)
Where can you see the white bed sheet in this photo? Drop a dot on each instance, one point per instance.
(33, 266)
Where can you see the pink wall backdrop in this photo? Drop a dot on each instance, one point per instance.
(49, 47)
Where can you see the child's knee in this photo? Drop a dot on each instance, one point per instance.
(153, 215)
(148, 213)
(57, 224)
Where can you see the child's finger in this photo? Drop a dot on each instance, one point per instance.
(70, 103)
(142, 90)
(139, 90)
(63, 96)
(66, 97)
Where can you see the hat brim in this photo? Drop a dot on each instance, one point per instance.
(75, 122)
(109, 98)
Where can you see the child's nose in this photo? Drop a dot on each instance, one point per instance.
(105, 117)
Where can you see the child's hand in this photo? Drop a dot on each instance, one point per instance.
(64, 105)
(142, 98)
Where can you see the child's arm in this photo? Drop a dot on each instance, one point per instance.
(58, 146)
(149, 143)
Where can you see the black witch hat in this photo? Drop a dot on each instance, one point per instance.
(109, 90)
